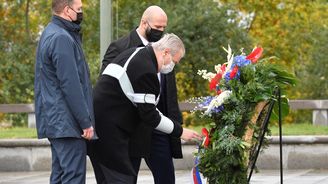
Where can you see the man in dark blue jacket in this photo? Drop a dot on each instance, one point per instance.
(63, 93)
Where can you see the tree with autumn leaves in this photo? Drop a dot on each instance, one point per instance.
(296, 33)
(21, 23)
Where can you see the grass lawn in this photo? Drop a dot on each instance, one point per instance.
(289, 129)
(17, 133)
(300, 129)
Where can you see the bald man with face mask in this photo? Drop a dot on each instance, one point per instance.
(163, 147)
(152, 25)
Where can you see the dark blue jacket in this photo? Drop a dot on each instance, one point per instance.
(62, 87)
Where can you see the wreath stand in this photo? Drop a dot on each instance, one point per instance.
(264, 128)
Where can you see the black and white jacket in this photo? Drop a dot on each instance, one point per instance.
(124, 129)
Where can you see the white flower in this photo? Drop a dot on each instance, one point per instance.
(206, 75)
(217, 101)
(218, 68)
(229, 58)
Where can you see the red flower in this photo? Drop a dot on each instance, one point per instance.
(234, 71)
(215, 81)
(206, 140)
(217, 78)
(218, 92)
(255, 54)
(223, 68)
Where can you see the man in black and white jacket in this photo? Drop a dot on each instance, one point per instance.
(125, 99)
(163, 146)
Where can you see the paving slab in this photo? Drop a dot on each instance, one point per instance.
(182, 177)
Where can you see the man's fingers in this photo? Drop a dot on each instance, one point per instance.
(91, 134)
(88, 133)
(197, 136)
(88, 136)
(190, 135)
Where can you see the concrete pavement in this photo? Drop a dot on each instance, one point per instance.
(182, 177)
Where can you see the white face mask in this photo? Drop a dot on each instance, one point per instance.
(167, 68)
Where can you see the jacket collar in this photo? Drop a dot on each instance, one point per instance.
(135, 38)
(65, 24)
(144, 41)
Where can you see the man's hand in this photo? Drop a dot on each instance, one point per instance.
(88, 133)
(188, 135)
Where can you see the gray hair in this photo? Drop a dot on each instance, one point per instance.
(171, 41)
(59, 5)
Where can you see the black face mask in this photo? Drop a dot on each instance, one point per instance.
(79, 17)
(153, 35)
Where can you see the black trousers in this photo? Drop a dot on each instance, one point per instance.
(160, 163)
(114, 177)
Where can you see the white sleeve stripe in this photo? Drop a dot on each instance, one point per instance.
(143, 98)
(165, 125)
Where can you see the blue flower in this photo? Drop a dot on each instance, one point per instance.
(227, 76)
(240, 61)
(206, 102)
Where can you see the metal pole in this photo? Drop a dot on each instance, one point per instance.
(265, 123)
(280, 136)
(105, 26)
